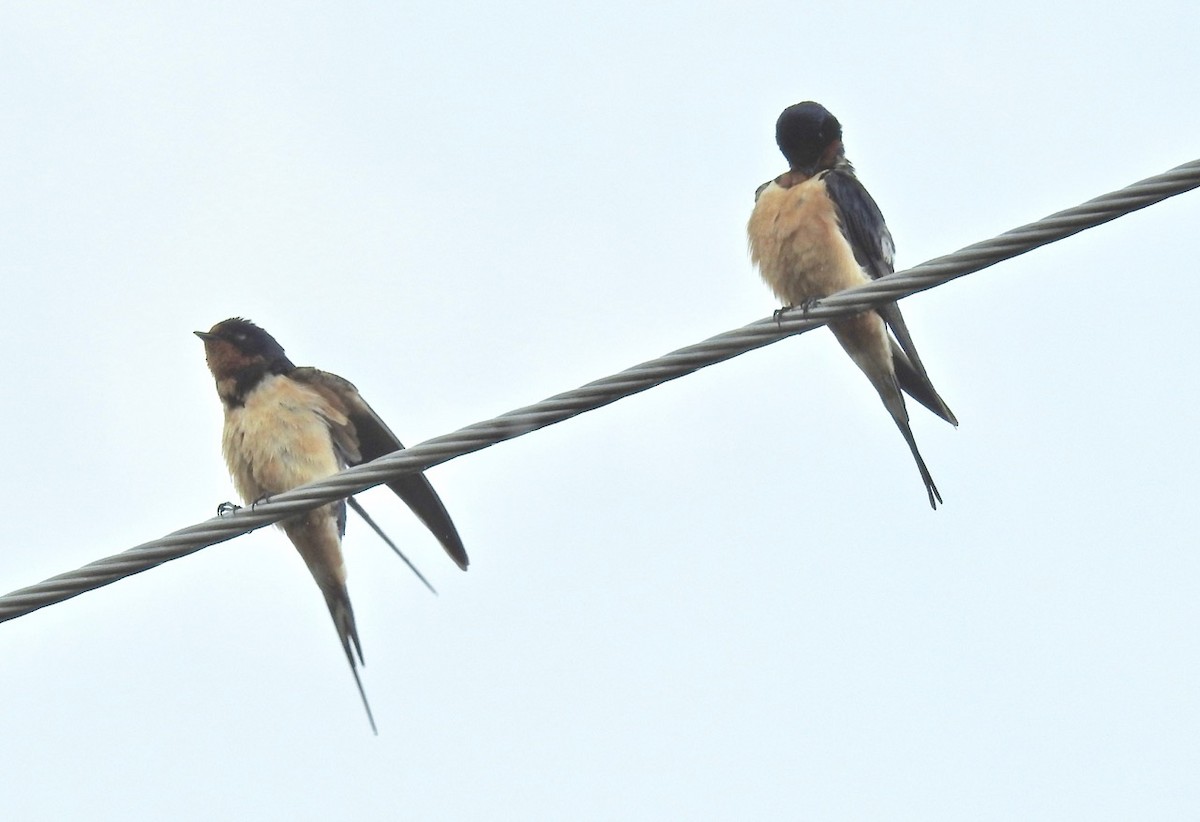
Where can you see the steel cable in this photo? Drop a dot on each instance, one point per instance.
(604, 391)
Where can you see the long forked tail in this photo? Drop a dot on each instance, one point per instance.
(343, 620)
(316, 535)
(935, 497)
(893, 400)
(865, 339)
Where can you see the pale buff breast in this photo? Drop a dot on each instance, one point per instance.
(797, 244)
(279, 438)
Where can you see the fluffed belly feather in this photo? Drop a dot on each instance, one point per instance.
(797, 244)
(278, 439)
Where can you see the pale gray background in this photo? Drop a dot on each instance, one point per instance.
(724, 599)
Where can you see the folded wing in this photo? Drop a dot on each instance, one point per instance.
(367, 437)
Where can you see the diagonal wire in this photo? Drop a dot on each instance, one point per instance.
(604, 391)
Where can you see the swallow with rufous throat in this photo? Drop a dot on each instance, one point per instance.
(286, 426)
(815, 231)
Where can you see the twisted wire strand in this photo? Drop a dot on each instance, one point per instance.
(604, 391)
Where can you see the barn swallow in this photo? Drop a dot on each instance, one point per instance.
(286, 426)
(815, 231)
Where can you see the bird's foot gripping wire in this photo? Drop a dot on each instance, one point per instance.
(805, 306)
(226, 509)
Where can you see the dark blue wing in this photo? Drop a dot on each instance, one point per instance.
(368, 437)
(862, 222)
(863, 226)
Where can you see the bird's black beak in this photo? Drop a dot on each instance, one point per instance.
(204, 335)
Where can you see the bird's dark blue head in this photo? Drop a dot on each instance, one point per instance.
(247, 338)
(809, 137)
(239, 347)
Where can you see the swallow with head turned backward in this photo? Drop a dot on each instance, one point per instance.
(286, 426)
(815, 231)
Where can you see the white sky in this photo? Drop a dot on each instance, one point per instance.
(725, 598)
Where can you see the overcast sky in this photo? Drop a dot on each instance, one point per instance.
(726, 598)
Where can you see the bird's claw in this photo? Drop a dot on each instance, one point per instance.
(804, 306)
(227, 508)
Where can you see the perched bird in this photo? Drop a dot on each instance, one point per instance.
(815, 231)
(287, 426)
